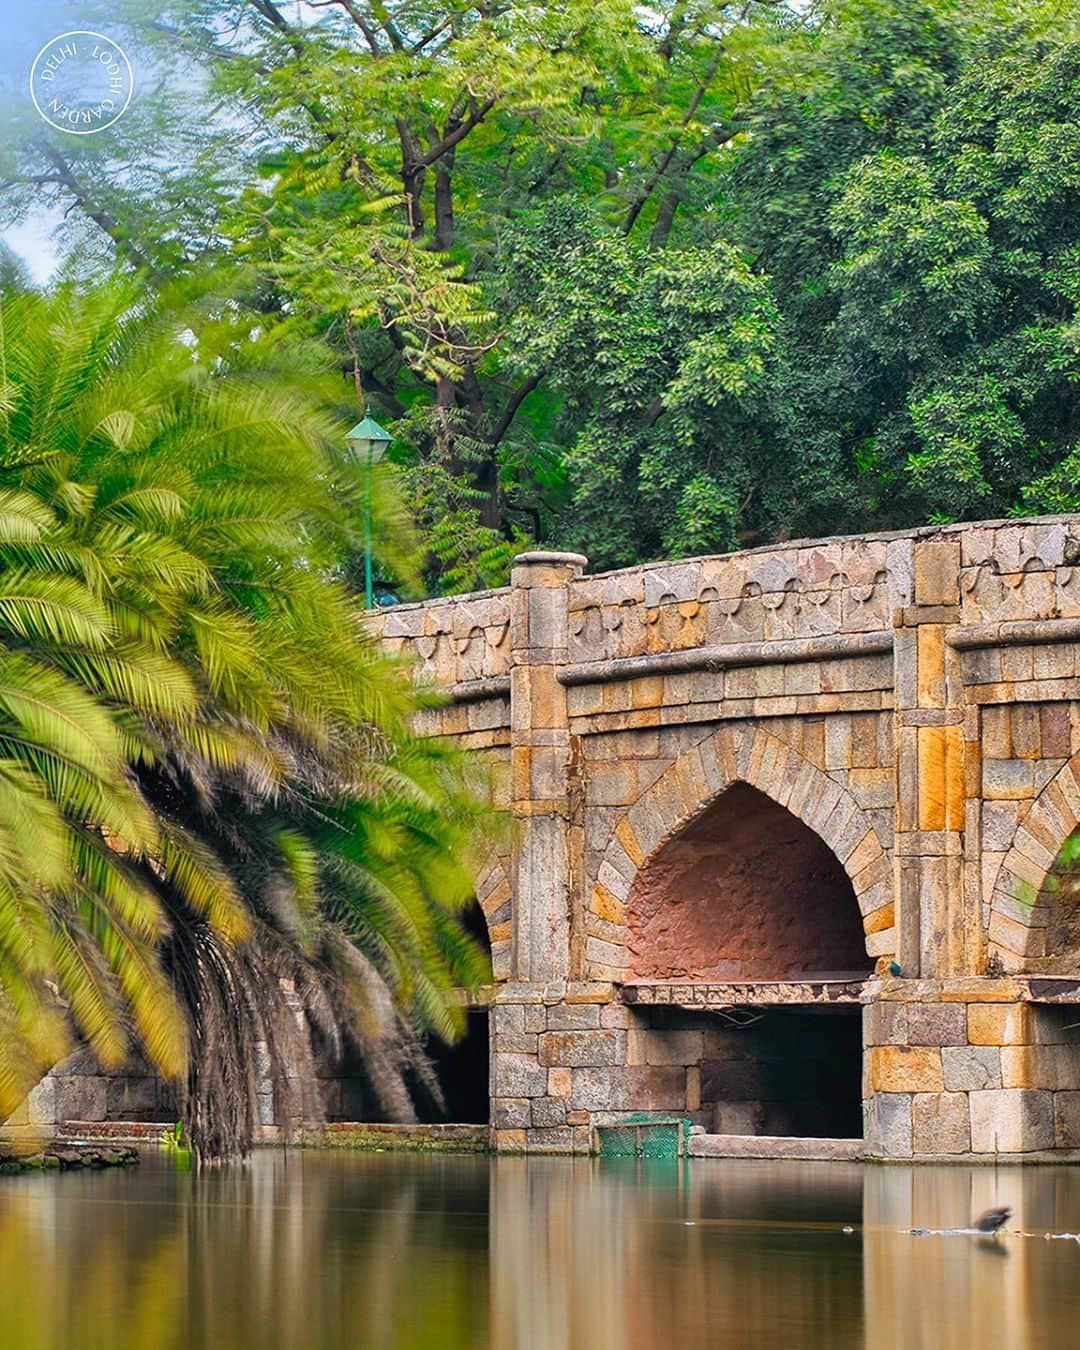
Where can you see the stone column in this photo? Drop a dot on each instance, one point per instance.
(539, 758)
(938, 933)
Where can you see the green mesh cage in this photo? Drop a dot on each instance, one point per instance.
(643, 1137)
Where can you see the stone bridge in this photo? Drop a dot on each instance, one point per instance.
(793, 842)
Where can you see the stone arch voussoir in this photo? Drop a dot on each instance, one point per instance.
(1018, 921)
(495, 899)
(737, 753)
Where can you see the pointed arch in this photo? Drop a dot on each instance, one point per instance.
(1020, 916)
(737, 753)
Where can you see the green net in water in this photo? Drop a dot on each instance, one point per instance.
(643, 1137)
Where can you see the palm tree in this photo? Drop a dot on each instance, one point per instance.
(213, 814)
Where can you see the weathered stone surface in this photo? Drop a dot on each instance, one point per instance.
(969, 1068)
(888, 1124)
(941, 1024)
(518, 1076)
(573, 1017)
(1011, 1120)
(998, 1023)
(1067, 1119)
(582, 1049)
(939, 1123)
(548, 1111)
(511, 1113)
(899, 1068)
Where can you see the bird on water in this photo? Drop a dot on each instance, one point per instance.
(993, 1219)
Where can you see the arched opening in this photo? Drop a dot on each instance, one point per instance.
(1058, 908)
(748, 893)
(745, 892)
(461, 1069)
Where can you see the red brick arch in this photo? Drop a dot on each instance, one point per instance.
(737, 753)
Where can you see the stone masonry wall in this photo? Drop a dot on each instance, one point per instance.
(911, 699)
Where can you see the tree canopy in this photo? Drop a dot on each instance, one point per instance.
(639, 281)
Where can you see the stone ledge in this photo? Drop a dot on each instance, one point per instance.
(743, 993)
(399, 1138)
(114, 1131)
(728, 656)
(768, 1146)
(976, 989)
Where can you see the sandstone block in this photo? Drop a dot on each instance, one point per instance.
(937, 572)
(131, 1098)
(559, 1082)
(657, 1088)
(81, 1098)
(41, 1103)
(573, 1017)
(888, 1124)
(511, 1113)
(599, 1090)
(1040, 1066)
(582, 1049)
(589, 992)
(971, 1067)
(735, 1118)
(515, 1043)
(509, 1141)
(518, 1076)
(940, 1123)
(1008, 779)
(998, 1023)
(507, 1017)
(1067, 1119)
(548, 1111)
(674, 1047)
(550, 1139)
(885, 1024)
(900, 1068)
(1011, 1120)
(937, 1024)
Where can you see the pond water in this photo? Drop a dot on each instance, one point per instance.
(380, 1251)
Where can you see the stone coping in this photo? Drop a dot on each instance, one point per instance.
(977, 989)
(771, 1146)
(744, 993)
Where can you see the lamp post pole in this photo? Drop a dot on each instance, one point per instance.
(368, 442)
(367, 537)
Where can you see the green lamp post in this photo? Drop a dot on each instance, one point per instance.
(368, 442)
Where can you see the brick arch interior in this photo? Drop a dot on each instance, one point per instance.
(750, 755)
(1034, 920)
(745, 891)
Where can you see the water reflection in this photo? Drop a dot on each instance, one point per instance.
(376, 1251)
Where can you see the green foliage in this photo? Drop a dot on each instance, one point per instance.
(635, 280)
(203, 759)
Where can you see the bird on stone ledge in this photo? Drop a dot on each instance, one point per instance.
(993, 1219)
(894, 969)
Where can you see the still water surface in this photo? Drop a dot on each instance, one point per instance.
(388, 1253)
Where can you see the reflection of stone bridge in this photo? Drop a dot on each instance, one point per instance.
(744, 786)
